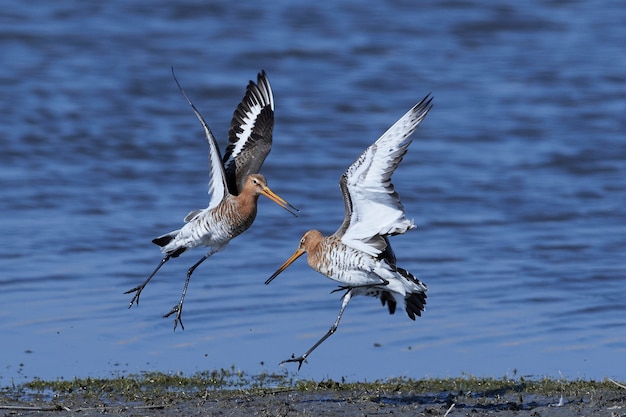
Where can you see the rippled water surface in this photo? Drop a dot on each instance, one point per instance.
(517, 180)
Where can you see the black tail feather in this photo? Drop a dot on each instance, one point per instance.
(415, 301)
(164, 240)
(415, 304)
(387, 297)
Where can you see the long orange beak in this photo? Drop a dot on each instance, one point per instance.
(279, 200)
(298, 253)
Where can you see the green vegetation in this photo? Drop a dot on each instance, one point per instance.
(151, 387)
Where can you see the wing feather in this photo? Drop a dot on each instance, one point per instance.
(373, 209)
(250, 133)
(217, 182)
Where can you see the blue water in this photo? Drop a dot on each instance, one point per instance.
(516, 179)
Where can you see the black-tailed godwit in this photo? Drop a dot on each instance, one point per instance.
(235, 185)
(358, 254)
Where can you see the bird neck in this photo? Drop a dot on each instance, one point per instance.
(246, 204)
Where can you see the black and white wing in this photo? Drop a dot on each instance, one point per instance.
(250, 134)
(217, 181)
(373, 209)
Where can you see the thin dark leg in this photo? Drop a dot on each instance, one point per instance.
(178, 309)
(302, 358)
(137, 290)
(349, 287)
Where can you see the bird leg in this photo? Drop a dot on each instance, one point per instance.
(178, 309)
(349, 287)
(137, 290)
(345, 300)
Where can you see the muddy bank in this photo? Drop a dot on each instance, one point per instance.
(182, 397)
(332, 403)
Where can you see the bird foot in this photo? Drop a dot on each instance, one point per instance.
(341, 288)
(299, 359)
(135, 299)
(178, 309)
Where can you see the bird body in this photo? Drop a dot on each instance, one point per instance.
(206, 227)
(358, 255)
(235, 185)
(368, 275)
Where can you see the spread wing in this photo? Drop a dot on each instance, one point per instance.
(250, 134)
(217, 183)
(372, 207)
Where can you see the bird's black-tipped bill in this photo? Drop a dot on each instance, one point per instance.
(280, 201)
(298, 253)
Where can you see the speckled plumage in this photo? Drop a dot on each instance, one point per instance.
(358, 255)
(235, 185)
(208, 228)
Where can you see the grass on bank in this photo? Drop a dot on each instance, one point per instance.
(149, 386)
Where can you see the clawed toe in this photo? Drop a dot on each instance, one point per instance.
(299, 359)
(135, 299)
(179, 312)
(340, 288)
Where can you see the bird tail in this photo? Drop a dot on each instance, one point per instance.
(386, 297)
(415, 298)
(165, 240)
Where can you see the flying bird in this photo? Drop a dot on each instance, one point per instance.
(358, 255)
(235, 185)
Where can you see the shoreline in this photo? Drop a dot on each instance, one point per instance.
(232, 393)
